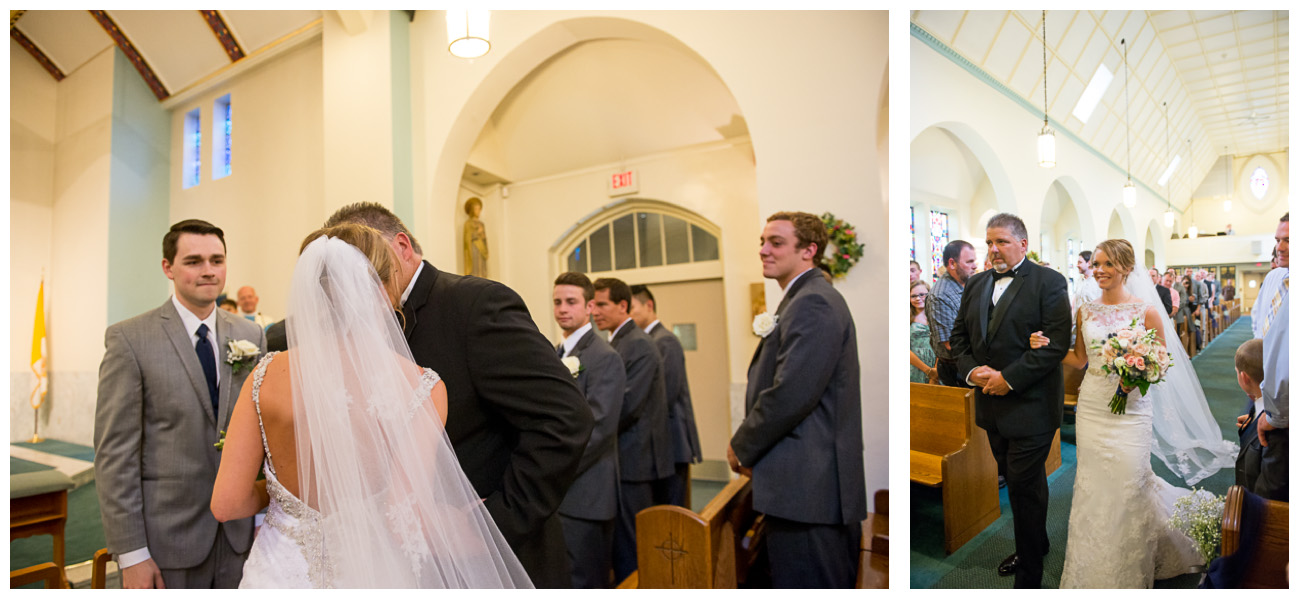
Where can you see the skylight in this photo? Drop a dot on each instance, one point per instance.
(1093, 93)
(1173, 164)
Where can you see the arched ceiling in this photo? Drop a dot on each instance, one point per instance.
(601, 102)
(180, 47)
(1224, 75)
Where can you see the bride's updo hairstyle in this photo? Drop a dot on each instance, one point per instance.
(371, 244)
(1121, 253)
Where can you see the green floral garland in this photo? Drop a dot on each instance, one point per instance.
(844, 250)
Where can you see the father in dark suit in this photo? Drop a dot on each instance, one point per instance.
(1019, 395)
(166, 390)
(681, 416)
(515, 417)
(801, 440)
(644, 448)
(589, 509)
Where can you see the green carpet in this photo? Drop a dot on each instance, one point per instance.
(18, 465)
(974, 565)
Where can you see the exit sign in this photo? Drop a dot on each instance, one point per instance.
(622, 183)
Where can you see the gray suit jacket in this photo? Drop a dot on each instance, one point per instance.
(594, 492)
(802, 433)
(644, 448)
(154, 433)
(681, 416)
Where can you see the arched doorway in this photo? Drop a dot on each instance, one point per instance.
(1060, 232)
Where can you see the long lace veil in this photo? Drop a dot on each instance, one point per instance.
(373, 458)
(1186, 437)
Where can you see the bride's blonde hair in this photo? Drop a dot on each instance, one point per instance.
(371, 243)
(1120, 252)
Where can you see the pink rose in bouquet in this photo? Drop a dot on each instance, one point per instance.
(1137, 356)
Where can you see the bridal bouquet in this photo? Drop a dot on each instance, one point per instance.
(1137, 356)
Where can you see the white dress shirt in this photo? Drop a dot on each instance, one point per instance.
(620, 326)
(410, 286)
(1262, 312)
(572, 340)
(651, 326)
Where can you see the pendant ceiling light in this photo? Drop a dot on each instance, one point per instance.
(1130, 190)
(1169, 209)
(1046, 137)
(1228, 191)
(467, 33)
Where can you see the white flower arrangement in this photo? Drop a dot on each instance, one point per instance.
(1199, 515)
(764, 324)
(241, 354)
(573, 364)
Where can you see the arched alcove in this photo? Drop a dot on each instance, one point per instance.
(1154, 248)
(1060, 232)
(1120, 225)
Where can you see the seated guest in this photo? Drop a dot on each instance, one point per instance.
(922, 360)
(1250, 376)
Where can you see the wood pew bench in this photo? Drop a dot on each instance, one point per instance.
(38, 505)
(873, 564)
(1268, 565)
(949, 451)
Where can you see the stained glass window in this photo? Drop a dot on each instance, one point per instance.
(1259, 182)
(938, 238)
(191, 149)
(1070, 268)
(911, 229)
(221, 137)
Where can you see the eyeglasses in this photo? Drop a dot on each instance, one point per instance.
(919, 296)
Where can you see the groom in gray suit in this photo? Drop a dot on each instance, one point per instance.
(801, 440)
(166, 391)
(591, 504)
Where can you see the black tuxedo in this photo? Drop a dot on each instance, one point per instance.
(515, 417)
(681, 417)
(591, 505)
(1022, 423)
(802, 436)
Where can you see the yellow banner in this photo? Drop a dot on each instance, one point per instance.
(38, 349)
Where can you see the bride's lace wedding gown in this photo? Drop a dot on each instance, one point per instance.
(1119, 535)
(290, 551)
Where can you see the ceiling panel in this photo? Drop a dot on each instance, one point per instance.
(177, 44)
(257, 28)
(68, 37)
(1213, 68)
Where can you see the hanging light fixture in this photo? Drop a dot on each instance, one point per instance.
(1228, 191)
(1169, 209)
(1130, 190)
(1046, 137)
(467, 33)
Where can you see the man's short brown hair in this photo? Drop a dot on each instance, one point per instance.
(618, 291)
(578, 280)
(808, 228)
(1250, 359)
(375, 215)
(195, 226)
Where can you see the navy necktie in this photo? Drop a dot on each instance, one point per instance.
(209, 363)
(559, 349)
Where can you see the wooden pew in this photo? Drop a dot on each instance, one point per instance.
(49, 573)
(950, 452)
(1268, 567)
(38, 505)
(873, 564)
(99, 569)
(679, 549)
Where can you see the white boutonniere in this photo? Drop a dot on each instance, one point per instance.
(241, 354)
(574, 365)
(764, 324)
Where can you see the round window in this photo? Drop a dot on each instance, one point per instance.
(1259, 183)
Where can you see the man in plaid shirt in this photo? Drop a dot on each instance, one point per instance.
(942, 303)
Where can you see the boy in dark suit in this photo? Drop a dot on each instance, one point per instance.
(1250, 374)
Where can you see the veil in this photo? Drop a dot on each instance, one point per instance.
(1186, 437)
(373, 458)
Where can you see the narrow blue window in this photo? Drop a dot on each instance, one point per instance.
(221, 137)
(191, 150)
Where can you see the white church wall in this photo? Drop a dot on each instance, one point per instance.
(274, 195)
(1249, 215)
(806, 115)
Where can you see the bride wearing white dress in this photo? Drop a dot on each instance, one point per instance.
(362, 487)
(1119, 535)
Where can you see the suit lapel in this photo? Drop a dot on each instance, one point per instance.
(1008, 296)
(985, 297)
(583, 342)
(226, 373)
(180, 339)
(418, 298)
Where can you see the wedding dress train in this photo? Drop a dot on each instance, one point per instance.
(1119, 536)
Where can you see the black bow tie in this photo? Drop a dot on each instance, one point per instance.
(1000, 274)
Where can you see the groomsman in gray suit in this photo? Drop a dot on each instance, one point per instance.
(166, 391)
(801, 440)
(644, 448)
(681, 416)
(591, 504)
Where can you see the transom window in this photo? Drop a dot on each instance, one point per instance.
(642, 239)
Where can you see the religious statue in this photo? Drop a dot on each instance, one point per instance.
(476, 247)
